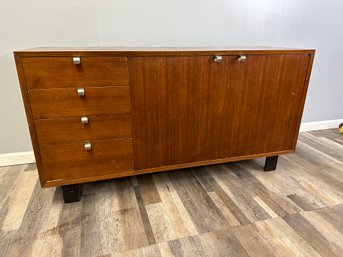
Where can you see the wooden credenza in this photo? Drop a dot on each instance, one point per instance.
(104, 113)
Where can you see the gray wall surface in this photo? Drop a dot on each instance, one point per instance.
(290, 23)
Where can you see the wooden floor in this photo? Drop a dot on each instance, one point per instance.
(234, 209)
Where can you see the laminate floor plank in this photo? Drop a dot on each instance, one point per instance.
(232, 209)
(320, 187)
(319, 159)
(313, 237)
(334, 216)
(257, 189)
(276, 183)
(8, 177)
(160, 223)
(236, 211)
(331, 134)
(281, 236)
(183, 247)
(222, 243)
(325, 228)
(147, 251)
(204, 213)
(326, 146)
(242, 198)
(148, 189)
(176, 212)
(252, 242)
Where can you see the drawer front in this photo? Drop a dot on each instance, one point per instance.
(66, 130)
(61, 72)
(50, 103)
(72, 161)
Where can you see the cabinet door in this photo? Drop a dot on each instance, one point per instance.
(264, 104)
(188, 109)
(177, 109)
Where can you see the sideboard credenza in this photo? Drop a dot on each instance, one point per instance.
(101, 113)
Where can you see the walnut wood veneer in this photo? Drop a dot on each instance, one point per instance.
(100, 113)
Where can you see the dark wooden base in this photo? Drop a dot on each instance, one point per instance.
(72, 193)
(271, 163)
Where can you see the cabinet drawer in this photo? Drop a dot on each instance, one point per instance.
(66, 130)
(49, 103)
(61, 72)
(73, 161)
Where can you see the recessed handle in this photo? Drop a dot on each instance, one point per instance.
(76, 60)
(84, 120)
(81, 91)
(217, 58)
(88, 146)
(242, 58)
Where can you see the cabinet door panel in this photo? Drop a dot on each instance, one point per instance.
(177, 106)
(188, 109)
(264, 104)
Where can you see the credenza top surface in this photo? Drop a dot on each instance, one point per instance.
(158, 51)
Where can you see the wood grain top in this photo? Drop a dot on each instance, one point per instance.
(148, 51)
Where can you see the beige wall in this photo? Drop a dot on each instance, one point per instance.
(291, 23)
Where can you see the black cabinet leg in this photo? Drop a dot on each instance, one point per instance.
(271, 163)
(72, 193)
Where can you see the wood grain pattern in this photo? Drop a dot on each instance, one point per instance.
(72, 161)
(67, 130)
(185, 212)
(51, 103)
(188, 109)
(61, 72)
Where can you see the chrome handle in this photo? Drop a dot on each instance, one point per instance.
(242, 58)
(217, 58)
(84, 120)
(76, 60)
(88, 146)
(81, 91)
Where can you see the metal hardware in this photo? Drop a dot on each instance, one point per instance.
(81, 91)
(242, 58)
(87, 146)
(76, 60)
(84, 120)
(217, 58)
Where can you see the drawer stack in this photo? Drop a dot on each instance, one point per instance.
(81, 112)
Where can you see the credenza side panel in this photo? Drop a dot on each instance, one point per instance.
(191, 109)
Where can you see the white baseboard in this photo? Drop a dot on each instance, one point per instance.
(28, 157)
(319, 125)
(8, 159)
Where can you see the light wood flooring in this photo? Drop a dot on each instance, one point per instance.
(234, 209)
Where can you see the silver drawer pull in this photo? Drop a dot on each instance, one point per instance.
(88, 146)
(217, 58)
(76, 60)
(84, 120)
(242, 58)
(81, 91)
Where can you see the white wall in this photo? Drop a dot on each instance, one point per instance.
(291, 23)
